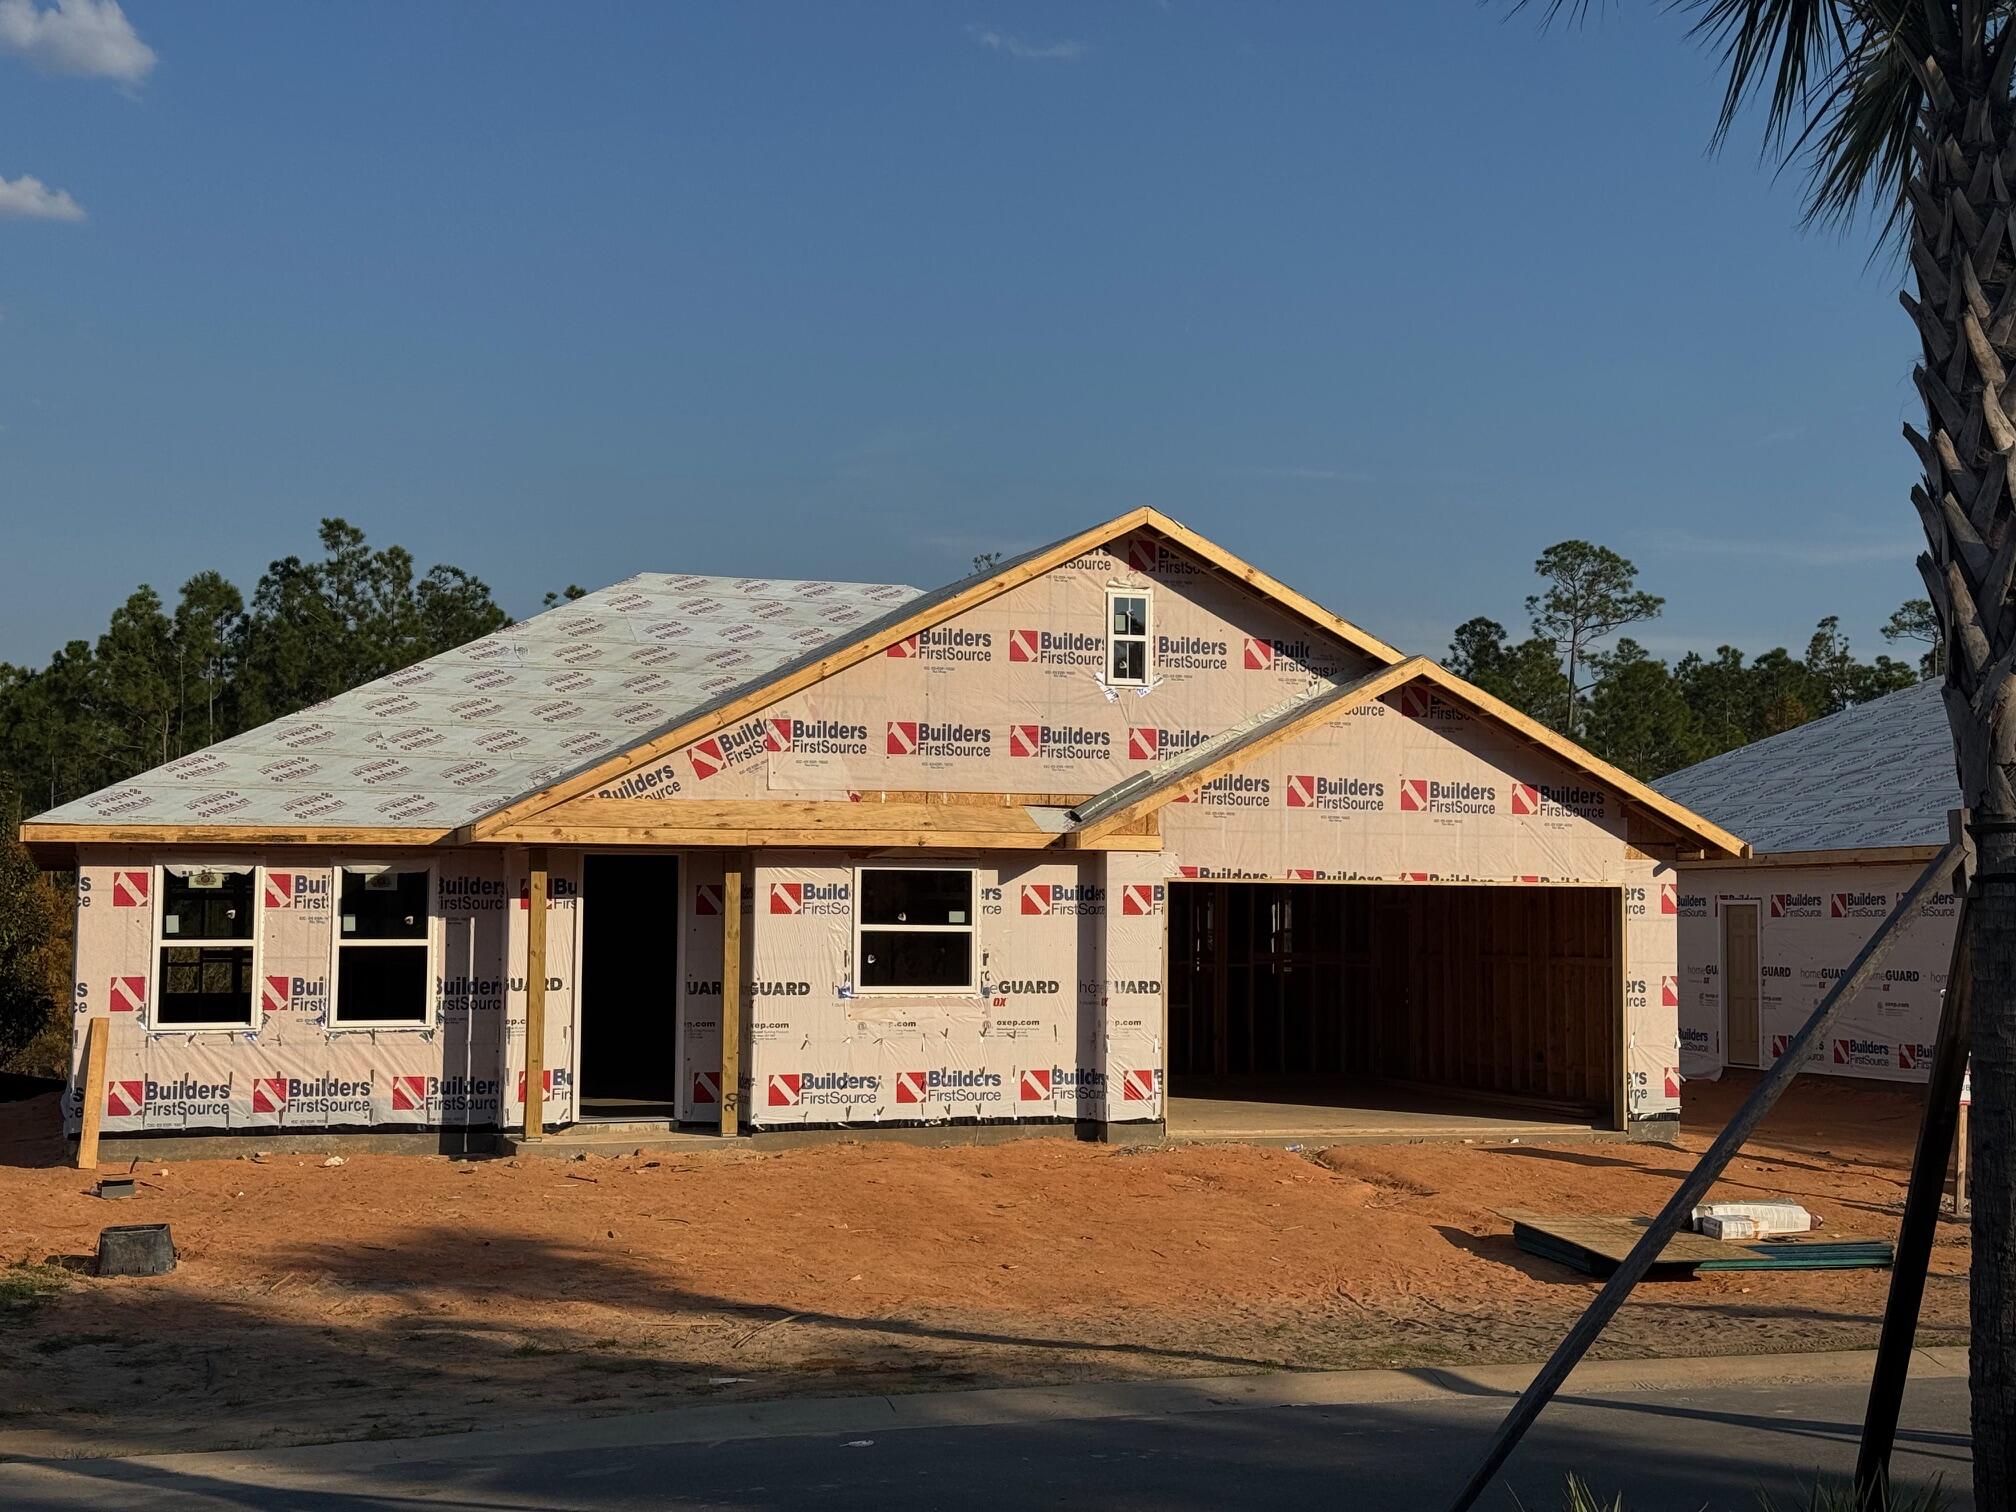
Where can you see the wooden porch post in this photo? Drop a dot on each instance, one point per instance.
(96, 1033)
(731, 997)
(535, 993)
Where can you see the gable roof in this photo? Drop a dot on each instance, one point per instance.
(479, 739)
(921, 613)
(1877, 774)
(1135, 797)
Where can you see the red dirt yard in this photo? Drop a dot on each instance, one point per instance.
(395, 1295)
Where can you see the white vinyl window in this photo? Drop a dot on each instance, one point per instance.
(205, 941)
(913, 929)
(1127, 636)
(383, 971)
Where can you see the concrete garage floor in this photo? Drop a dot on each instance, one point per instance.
(1297, 1110)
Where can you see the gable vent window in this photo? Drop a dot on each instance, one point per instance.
(1127, 638)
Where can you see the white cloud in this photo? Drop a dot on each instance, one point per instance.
(1017, 48)
(89, 38)
(28, 198)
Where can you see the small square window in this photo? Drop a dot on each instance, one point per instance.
(914, 930)
(384, 974)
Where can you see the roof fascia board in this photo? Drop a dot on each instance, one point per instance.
(1859, 855)
(224, 834)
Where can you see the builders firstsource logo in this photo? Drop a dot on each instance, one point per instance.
(1558, 800)
(1191, 653)
(908, 737)
(299, 1097)
(1265, 653)
(183, 1098)
(814, 737)
(1417, 703)
(1154, 742)
(1235, 791)
(1861, 1052)
(820, 1089)
(1141, 900)
(809, 897)
(1795, 905)
(1043, 898)
(439, 1096)
(1056, 648)
(729, 749)
(944, 645)
(1334, 794)
(304, 891)
(1059, 742)
(1425, 795)
(1858, 905)
(949, 1085)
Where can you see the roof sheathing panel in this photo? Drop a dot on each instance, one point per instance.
(1878, 774)
(461, 734)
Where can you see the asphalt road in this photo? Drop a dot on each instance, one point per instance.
(1693, 1443)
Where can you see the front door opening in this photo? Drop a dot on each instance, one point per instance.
(1387, 1011)
(628, 1045)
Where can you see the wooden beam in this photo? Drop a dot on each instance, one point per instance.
(537, 889)
(1868, 855)
(731, 997)
(802, 839)
(823, 814)
(96, 1033)
(226, 834)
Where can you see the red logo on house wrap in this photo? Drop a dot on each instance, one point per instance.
(1259, 655)
(545, 1084)
(707, 1086)
(1301, 792)
(903, 737)
(909, 1086)
(125, 1099)
(1025, 740)
(707, 900)
(1138, 899)
(1669, 897)
(1525, 799)
(129, 889)
(1035, 897)
(279, 889)
(787, 897)
(707, 758)
(1143, 554)
(1413, 795)
(1143, 742)
(904, 649)
(129, 994)
(1301, 874)
(409, 1094)
(1137, 1086)
(1673, 1081)
(1780, 1043)
(783, 1091)
(269, 1094)
(777, 734)
(1022, 645)
(273, 995)
(1036, 1085)
(1669, 992)
(1415, 702)
(1914, 1057)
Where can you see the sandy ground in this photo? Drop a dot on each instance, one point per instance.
(396, 1295)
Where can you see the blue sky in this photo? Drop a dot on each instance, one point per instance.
(1385, 298)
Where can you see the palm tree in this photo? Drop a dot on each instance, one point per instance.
(1903, 108)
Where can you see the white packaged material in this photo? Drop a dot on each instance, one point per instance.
(1770, 1217)
(1732, 1227)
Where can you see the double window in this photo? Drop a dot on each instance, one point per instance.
(383, 968)
(205, 944)
(913, 930)
(1127, 637)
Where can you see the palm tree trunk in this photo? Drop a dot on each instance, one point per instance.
(1962, 224)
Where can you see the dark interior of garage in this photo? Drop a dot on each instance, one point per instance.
(1407, 1001)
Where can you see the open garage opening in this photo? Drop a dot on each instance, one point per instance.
(1364, 1011)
